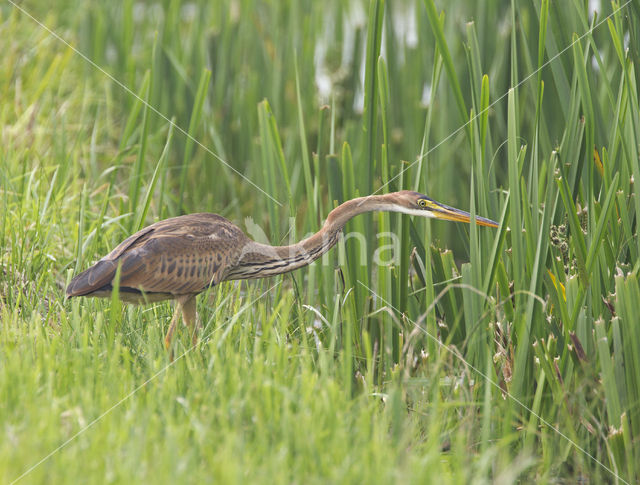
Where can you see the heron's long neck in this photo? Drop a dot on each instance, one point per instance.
(260, 260)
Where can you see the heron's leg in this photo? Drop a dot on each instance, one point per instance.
(172, 325)
(189, 316)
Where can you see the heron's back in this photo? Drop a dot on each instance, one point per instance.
(177, 256)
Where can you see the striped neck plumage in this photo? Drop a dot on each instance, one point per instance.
(262, 260)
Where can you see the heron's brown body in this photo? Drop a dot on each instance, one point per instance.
(180, 257)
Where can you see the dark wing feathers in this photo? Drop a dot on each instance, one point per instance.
(180, 255)
(92, 279)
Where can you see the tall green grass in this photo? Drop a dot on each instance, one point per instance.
(474, 355)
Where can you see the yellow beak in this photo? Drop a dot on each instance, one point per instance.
(448, 213)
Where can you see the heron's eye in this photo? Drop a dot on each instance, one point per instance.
(422, 203)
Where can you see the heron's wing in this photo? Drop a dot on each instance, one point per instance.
(103, 272)
(175, 264)
(181, 255)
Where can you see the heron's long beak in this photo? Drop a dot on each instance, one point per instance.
(448, 213)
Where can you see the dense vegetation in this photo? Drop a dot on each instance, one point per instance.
(513, 355)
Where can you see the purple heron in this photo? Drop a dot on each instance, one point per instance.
(177, 258)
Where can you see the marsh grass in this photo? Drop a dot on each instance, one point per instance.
(476, 356)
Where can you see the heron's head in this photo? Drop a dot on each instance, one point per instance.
(417, 204)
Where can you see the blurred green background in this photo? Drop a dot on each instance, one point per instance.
(271, 113)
